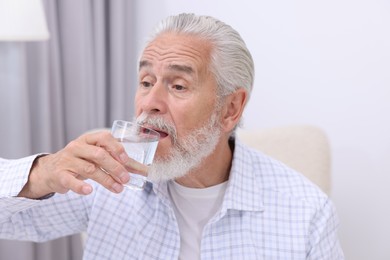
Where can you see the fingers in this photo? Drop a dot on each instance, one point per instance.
(96, 156)
(81, 169)
(134, 166)
(108, 162)
(50, 173)
(70, 183)
(109, 143)
(116, 150)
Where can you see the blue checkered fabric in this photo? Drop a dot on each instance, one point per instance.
(269, 211)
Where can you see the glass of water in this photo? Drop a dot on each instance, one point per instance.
(140, 144)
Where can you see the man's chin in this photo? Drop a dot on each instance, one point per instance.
(166, 171)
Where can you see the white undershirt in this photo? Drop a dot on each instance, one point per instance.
(193, 209)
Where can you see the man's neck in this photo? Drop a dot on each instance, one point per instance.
(213, 170)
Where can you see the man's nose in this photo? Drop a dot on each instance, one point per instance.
(154, 101)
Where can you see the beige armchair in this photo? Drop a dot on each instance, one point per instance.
(303, 148)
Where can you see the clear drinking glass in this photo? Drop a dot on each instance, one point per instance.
(140, 144)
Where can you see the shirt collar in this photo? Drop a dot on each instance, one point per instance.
(243, 191)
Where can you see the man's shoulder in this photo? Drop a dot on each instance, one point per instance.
(274, 179)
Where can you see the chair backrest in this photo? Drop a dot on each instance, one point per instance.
(303, 148)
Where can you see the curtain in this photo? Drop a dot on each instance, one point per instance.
(51, 92)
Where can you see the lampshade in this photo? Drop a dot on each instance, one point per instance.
(22, 20)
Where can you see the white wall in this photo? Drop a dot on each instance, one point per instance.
(325, 63)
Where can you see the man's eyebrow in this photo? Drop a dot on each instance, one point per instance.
(176, 67)
(144, 63)
(181, 68)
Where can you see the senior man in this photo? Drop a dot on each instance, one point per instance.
(209, 196)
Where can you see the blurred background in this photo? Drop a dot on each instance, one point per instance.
(321, 63)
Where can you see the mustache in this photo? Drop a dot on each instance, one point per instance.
(160, 124)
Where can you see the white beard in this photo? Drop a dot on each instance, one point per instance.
(186, 154)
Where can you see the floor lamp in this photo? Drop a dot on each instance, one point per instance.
(20, 21)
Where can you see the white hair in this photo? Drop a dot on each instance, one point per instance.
(231, 62)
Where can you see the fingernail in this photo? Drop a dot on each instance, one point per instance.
(87, 190)
(117, 187)
(124, 177)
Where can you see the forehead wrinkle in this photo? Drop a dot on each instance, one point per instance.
(187, 69)
(181, 57)
(162, 51)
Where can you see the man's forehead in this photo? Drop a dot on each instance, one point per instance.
(174, 51)
(179, 67)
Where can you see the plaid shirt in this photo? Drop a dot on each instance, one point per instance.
(269, 212)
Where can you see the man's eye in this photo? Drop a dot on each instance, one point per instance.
(145, 84)
(178, 87)
(180, 91)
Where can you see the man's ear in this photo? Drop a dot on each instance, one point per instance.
(233, 108)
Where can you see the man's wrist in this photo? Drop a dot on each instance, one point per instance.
(33, 188)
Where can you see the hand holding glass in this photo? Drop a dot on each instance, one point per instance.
(140, 144)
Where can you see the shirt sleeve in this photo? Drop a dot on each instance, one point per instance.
(37, 220)
(30, 219)
(14, 175)
(43, 220)
(323, 239)
(11, 206)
